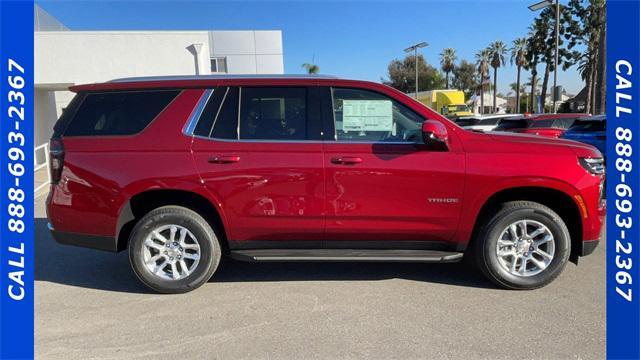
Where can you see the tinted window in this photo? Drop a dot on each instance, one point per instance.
(541, 124)
(588, 126)
(563, 123)
(362, 115)
(219, 118)
(205, 123)
(226, 123)
(467, 121)
(118, 113)
(67, 115)
(511, 124)
(273, 113)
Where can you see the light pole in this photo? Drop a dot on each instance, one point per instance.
(538, 6)
(415, 48)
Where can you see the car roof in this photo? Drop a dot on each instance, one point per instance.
(199, 81)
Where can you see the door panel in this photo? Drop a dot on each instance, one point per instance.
(262, 160)
(397, 192)
(383, 183)
(272, 192)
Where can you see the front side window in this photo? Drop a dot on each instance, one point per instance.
(273, 113)
(362, 115)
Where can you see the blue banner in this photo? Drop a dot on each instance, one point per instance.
(623, 181)
(16, 179)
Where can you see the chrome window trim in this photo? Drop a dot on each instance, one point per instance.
(196, 113)
(239, 108)
(305, 141)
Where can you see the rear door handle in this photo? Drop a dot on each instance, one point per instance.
(346, 160)
(224, 159)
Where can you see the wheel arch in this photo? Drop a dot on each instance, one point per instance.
(557, 200)
(141, 203)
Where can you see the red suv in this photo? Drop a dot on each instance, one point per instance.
(181, 171)
(549, 125)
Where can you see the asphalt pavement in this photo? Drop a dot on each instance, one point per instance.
(90, 305)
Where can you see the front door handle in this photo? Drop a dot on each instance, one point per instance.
(346, 160)
(224, 159)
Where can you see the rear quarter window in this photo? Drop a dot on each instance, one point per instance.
(117, 113)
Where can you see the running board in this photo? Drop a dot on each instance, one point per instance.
(321, 255)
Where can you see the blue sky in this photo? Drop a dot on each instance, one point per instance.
(355, 39)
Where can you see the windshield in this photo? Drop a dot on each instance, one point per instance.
(552, 123)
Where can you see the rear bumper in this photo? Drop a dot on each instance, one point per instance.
(588, 247)
(105, 243)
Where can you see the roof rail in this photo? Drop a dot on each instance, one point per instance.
(220, 77)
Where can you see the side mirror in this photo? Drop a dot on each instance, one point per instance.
(434, 132)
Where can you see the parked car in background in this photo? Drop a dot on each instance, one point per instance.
(589, 130)
(549, 125)
(484, 123)
(181, 171)
(511, 124)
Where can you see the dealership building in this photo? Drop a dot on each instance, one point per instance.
(66, 57)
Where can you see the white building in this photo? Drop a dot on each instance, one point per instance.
(474, 103)
(64, 58)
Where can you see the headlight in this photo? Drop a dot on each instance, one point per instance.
(593, 165)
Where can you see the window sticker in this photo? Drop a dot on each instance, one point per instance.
(367, 115)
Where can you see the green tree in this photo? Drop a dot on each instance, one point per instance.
(519, 58)
(497, 51)
(587, 27)
(311, 68)
(465, 78)
(483, 59)
(448, 62)
(402, 75)
(544, 32)
(517, 88)
(533, 55)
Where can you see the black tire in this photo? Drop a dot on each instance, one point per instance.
(486, 257)
(209, 249)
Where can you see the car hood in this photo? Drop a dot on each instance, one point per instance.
(543, 144)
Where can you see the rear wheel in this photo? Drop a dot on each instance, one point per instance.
(172, 249)
(525, 245)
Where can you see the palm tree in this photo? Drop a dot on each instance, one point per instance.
(311, 68)
(447, 62)
(498, 50)
(517, 88)
(519, 58)
(483, 57)
(534, 83)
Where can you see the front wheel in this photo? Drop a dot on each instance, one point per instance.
(525, 245)
(172, 249)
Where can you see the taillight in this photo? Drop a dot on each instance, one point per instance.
(56, 157)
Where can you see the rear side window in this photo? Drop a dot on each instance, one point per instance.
(273, 114)
(118, 113)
